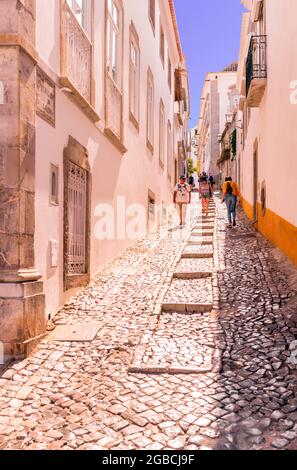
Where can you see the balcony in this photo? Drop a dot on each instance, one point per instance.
(76, 62)
(182, 151)
(114, 114)
(178, 110)
(256, 71)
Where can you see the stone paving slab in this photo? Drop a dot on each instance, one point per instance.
(181, 344)
(192, 293)
(193, 268)
(200, 251)
(77, 332)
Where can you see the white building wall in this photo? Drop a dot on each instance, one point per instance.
(113, 174)
(273, 124)
(273, 127)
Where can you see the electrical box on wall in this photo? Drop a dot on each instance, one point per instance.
(54, 253)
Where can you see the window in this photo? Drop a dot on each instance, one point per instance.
(150, 110)
(81, 12)
(152, 13)
(260, 26)
(134, 76)
(54, 184)
(114, 41)
(162, 135)
(185, 100)
(77, 219)
(169, 74)
(176, 136)
(79, 9)
(169, 150)
(162, 45)
(151, 209)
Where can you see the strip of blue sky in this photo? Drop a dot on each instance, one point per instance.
(210, 35)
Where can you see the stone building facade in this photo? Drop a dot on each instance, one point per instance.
(211, 124)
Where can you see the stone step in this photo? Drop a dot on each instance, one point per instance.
(190, 295)
(187, 308)
(204, 223)
(168, 370)
(203, 233)
(192, 274)
(202, 228)
(197, 255)
(200, 251)
(211, 215)
(193, 268)
(200, 241)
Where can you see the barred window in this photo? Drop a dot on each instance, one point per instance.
(77, 219)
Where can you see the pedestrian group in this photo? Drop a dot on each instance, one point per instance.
(183, 195)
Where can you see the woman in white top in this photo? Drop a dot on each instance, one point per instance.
(182, 197)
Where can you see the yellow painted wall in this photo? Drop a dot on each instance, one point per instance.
(280, 232)
(248, 209)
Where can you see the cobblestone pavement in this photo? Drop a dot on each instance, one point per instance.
(216, 378)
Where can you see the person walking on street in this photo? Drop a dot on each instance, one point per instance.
(205, 192)
(211, 181)
(182, 197)
(191, 182)
(230, 194)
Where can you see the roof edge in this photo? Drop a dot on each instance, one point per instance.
(175, 27)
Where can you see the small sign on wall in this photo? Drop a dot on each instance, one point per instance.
(46, 98)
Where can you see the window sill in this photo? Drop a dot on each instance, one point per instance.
(79, 99)
(150, 147)
(152, 25)
(134, 121)
(73, 281)
(180, 119)
(115, 140)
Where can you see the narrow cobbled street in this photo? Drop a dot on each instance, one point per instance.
(184, 342)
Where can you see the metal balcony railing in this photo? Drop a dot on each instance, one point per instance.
(256, 64)
(77, 57)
